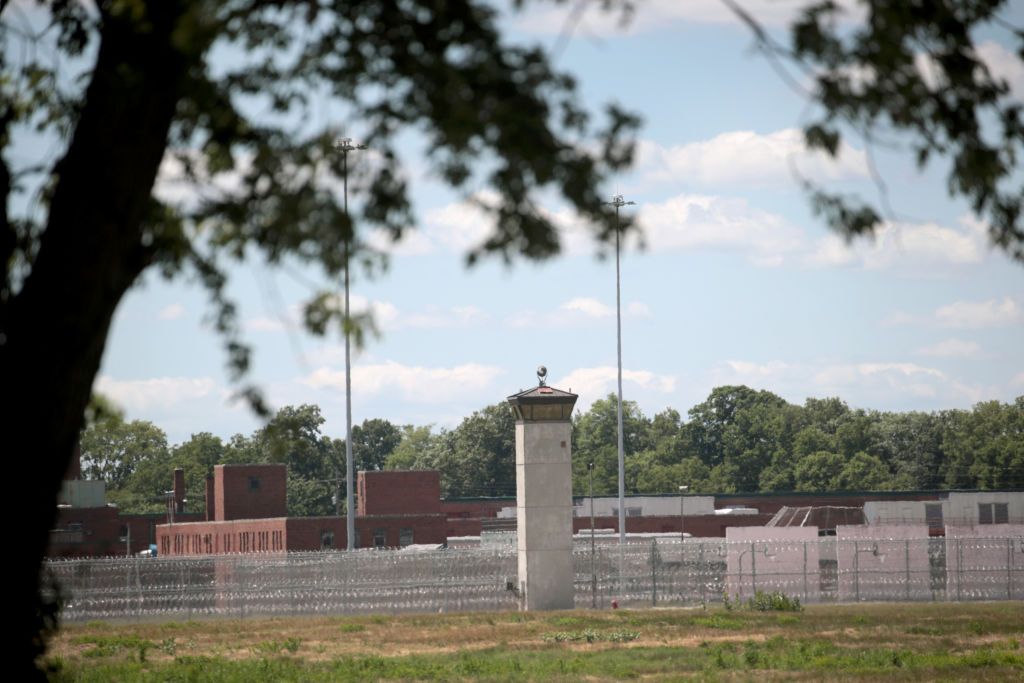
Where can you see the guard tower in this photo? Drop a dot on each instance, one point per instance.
(544, 495)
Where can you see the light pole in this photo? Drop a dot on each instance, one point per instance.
(345, 145)
(593, 566)
(682, 536)
(618, 202)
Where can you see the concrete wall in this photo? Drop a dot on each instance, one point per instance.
(544, 501)
(962, 507)
(648, 506)
(959, 508)
(770, 559)
(985, 562)
(869, 558)
(82, 493)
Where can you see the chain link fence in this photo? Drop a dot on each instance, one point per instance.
(655, 572)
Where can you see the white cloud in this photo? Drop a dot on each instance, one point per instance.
(412, 243)
(434, 318)
(1003, 63)
(386, 316)
(951, 348)
(871, 384)
(589, 307)
(460, 226)
(907, 379)
(139, 396)
(974, 314)
(594, 383)
(689, 222)
(638, 309)
(576, 311)
(746, 157)
(653, 15)
(416, 384)
(171, 312)
(905, 244)
(1018, 380)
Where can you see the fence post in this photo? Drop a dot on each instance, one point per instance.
(907, 555)
(654, 573)
(959, 566)
(702, 577)
(1009, 569)
(753, 570)
(856, 572)
(805, 572)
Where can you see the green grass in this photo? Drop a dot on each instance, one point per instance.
(852, 642)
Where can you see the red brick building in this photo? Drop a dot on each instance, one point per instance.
(247, 513)
(88, 526)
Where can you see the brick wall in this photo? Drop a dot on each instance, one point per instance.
(426, 529)
(399, 492)
(97, 531)
(250, 492)
(216, 538)
(469, 508)
(308, 533)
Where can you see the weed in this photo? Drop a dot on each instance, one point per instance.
(352, 628)
(275, 647)
(168, 646)
(591, 636)
(774, 602)
(718, 621)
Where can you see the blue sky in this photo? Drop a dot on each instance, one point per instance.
(738, 282)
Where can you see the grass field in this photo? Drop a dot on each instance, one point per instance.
(982, 642)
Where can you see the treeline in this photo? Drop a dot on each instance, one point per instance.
(739, 439)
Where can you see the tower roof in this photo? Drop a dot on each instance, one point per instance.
(542, 394)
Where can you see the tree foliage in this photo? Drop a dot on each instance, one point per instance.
(911, 74)
(226, 97)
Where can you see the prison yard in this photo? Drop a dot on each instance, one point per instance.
(770, 638)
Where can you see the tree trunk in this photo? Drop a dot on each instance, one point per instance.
(90, 253)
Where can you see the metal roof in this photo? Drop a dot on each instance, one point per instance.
(823, 517)
(542, 394)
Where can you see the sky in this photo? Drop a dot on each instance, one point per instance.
(736, 281)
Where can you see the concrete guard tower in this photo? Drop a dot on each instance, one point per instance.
(544, 495)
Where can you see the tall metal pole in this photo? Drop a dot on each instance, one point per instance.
(593, 565)
(345, 145)
(618, 202)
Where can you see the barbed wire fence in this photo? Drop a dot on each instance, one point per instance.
(656, 572)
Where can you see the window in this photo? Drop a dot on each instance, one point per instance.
(1001, 512)
(326, 539)
(254, 483)
(634, 512)
(993, 513)
(380, 538)
(405, 537)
